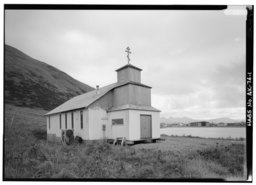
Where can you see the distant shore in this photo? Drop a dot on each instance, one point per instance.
(202, 126)
(206, 132)
(198, 137)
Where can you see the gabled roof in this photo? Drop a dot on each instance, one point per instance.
(83, 100)
(128, 65)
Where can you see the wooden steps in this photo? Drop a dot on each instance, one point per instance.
(122, 141)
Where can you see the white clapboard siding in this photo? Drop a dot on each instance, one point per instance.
(97, 117)
(115, 131)
(134, 126)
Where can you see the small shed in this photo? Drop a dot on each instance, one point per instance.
(122, 109)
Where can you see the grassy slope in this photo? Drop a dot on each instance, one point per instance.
(31, 83)
(29, 155)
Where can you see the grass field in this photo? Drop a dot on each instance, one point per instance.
(27, 154)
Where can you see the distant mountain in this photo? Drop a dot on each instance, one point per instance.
(29, 82)
(172, 120)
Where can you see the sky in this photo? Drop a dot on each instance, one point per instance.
(193, 60)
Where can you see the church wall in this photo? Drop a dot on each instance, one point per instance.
(78, 131)
(121, 130)
(54, 132)
(122, 76)
(139, 95)
(128, 74)
(97, 118)
(134, 75)
(121, 96)
(69, 120)
(104, 102)
(134, 127)
(132, 94)
(54, 125)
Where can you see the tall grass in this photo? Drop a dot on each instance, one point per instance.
(27, 154)
(102, 160)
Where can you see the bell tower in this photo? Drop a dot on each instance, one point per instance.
(128, 73)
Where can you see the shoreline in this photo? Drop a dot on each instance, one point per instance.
(198, 137)
(205, 127)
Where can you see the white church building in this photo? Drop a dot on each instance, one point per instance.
(122, 109)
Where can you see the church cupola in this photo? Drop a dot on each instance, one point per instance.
(128, 73)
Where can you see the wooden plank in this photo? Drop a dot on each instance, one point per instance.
(128, 142)
(146, 126)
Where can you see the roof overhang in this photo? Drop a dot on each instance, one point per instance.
(133, 83)
(63, 112)
(133, 107)
(129, 65)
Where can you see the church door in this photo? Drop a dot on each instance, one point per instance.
(145, 126)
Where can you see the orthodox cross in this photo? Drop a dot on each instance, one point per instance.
(128, 52)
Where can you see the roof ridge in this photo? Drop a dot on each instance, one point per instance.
(77, 99)
(86, 99)
(129, 65)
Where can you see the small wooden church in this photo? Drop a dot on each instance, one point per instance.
(122, 109)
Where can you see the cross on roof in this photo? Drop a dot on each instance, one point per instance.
(128, 52)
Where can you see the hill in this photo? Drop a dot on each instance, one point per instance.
(32, 83)
(172, 120)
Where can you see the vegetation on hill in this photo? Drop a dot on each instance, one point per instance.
(31, 83)
(27, 154)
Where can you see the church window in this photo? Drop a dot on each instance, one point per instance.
(117, 121)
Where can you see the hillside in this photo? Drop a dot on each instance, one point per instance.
(172, 120)
(32, 83)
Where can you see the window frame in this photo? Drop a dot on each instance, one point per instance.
(49, 122)
(72, 120)
(117, 119)
(66, 121)
(81, 119)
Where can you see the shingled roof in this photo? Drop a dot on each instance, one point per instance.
(83, 100)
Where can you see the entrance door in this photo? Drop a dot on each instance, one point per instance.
(145, 126)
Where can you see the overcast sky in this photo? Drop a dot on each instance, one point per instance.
(194, 60)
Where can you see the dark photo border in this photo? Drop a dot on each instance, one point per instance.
(249, 78)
